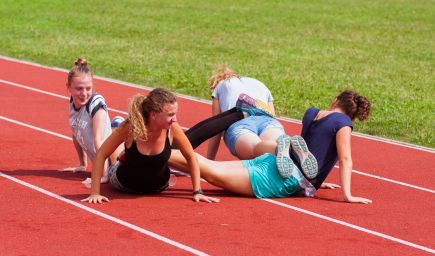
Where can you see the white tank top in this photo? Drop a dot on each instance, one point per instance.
(80, 121)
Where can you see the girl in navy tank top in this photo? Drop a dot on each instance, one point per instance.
(328, 136)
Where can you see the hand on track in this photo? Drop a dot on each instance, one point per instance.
(204, 198)
(326, 185)
(73, 169)
(95, 198)
(355, 199)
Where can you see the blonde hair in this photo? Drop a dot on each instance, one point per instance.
(141, 106)
(222, 72)
(80, 68)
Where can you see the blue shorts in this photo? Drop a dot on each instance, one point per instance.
(251, 124)
(265, 179)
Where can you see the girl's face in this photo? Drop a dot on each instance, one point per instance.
(80, 90)
(168, 116)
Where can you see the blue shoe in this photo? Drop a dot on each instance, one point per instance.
(116, 121)
(251, 106)
(284, 163)
(308, 162)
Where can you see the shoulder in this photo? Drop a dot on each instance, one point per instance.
(342, 120)
(175, 130)
(95, 103)
(311, 112)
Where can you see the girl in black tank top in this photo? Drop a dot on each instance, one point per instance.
(149, 116)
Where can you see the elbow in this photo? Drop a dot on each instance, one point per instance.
(346, 161)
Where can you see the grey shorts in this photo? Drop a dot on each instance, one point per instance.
(113, 180)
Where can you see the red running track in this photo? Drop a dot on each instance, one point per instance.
(236, 226)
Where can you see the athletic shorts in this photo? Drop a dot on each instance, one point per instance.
(265, 179)
(113, 180)
(115, 183)
(251, 124)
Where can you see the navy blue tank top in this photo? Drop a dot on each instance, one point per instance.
(145, 173)
(320, 136)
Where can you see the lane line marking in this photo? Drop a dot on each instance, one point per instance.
(36, 128)
(50, 93)
(125, 113)
(394, 181)
(346, 224)
(105, 216)
(146, 232)
(142, 87)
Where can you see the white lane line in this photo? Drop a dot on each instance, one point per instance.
(394, 181)
(125, 113)
(346, 224)
(105, 216)
(50, 93)
(267, 200)
(291, 120)
(36, 128)
(391, 180)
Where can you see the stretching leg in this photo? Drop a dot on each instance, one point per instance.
(212, 126)
(229, 175)
(249, 145)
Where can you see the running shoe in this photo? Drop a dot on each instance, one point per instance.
(116, 121)
(308, 162)
(284, 163)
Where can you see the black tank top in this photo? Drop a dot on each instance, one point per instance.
(145, 173)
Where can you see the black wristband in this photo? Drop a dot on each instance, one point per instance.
(198, 191)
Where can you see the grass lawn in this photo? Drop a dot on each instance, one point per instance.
(304, 51)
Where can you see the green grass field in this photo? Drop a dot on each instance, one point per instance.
(304, 51)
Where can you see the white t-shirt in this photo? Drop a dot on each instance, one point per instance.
(228, 91)
(80, 121)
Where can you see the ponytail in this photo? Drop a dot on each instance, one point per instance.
(222, 72)
(363, 107)
(136, 118)
(354, 105)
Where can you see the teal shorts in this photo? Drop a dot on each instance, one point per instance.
(265, 179)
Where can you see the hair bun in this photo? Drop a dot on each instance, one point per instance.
(364, 107)
(81, 62)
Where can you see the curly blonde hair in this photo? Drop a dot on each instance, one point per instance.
(222, 72)
(141, 106)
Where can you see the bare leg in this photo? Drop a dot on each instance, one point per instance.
(229, 175)
(249, 145)
(114, 156)
(268, 142)
(246, 144)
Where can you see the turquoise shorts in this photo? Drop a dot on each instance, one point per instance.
(265, 179)
(252, 124)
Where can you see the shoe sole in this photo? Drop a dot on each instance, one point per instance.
(307, 160)
(284, 163)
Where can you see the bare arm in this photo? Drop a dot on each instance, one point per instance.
(118, 136)
(98, 127)
(188, 153)
(213, 144)
(80, 152)
(343, 141)
(82, 159)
